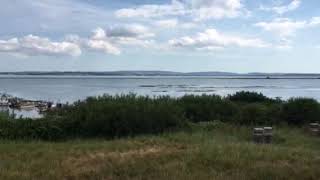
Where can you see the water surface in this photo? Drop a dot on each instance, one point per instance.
(71, 88)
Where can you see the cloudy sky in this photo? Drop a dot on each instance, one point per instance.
(175, 35)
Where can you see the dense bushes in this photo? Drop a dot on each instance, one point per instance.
(249, 97)
(129, 115)
(207, 108)
(46, 129)
(4, 115)
(300, 111)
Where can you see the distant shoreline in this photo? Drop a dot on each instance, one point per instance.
(69, 76)
(164, 73)
(151, 74)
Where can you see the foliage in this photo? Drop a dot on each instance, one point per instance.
(130, 115)
(250, 97)
(46, 129)
(4, 115)
(299, 111)
(207, 108)
(253, 114)
(126, 115)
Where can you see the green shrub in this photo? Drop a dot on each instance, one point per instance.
(299, 111)
(126, 115)
(207, 108)
(273, 114)
(4, 115)
(253, 114)
(131, 115)
(249, 97)
(31, 129)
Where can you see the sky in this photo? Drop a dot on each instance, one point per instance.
(170, 35)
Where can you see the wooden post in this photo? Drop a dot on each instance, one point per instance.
(258, 135)
(267, 133)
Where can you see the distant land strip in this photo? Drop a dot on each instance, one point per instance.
(214, 74)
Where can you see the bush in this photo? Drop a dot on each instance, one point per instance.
(207, 108)
(119, 116)
(31, 129)
(131, 115)
(299, 111)
(249, 97)
(4, 115)
(253, 114)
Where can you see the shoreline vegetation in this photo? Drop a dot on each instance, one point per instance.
(130, 115)
(140, 137)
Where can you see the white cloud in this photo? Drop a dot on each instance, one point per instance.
(103, 45)
(99, 33)
(210, 48)
(167, 23)
(315, 21)
(214, 9)
(173, 23)
(286, 27)
(197, 9)
(133, 35)
(109, 40)
(282, 26)
(55, 16)
(129, 30)
(35, 46)
(211, 39)
(293, 5)
(134, 42)
(100, 42)
(153, 10)
(187, 25)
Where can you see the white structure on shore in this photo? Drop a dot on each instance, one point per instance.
(4, 100)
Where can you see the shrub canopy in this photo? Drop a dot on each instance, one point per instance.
(130, 115)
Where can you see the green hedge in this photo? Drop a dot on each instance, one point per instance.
(130, 115)
(126, 115)
(299, 111)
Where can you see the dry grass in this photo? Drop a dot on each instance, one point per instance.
(220, 153)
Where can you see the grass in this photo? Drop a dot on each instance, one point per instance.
(207, 151)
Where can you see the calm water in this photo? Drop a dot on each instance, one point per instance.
(71, 88)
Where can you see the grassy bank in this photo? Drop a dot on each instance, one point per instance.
(208, 151)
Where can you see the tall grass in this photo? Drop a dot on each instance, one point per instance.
(211, 150)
